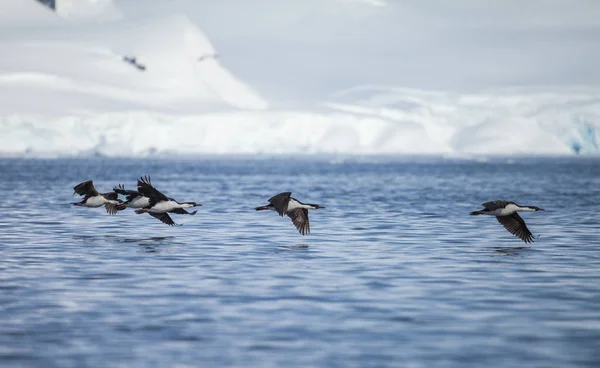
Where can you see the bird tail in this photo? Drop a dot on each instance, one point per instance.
(262, 208)
(477, 213)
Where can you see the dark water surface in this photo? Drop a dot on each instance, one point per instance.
(394, 273)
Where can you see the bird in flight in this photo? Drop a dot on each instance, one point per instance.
(160, 205)
(284, 204)
(91, 197)
(506, 214)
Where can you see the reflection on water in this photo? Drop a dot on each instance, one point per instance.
(394, 273)
(292, 247)
(158, 239)
(511, 251)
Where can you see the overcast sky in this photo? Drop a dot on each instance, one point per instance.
(318, 46)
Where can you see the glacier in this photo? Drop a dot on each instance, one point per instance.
(68, 87)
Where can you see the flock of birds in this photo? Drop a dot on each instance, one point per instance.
(148, 199)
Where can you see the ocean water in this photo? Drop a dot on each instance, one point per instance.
(394, 273)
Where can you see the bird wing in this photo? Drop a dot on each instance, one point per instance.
(280, 202)
(130, 194)
(120, 189)
(147, 190)
(131, 197)
(516, 226)
(494, 205)
(299, 217)
(112, 196)
(111, 208)
(164, 217)
(86, 189)
(181, 211)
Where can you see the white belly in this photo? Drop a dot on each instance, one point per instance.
(139, 202)
(293, 204)
(165, 206)
(506, 211)
(96, 201)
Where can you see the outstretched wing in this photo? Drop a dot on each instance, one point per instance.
(147, 190)
(112, 208)
(516, 226)
(494, 205)
(280, 202)
(299, 217)
(164, 217)
(86, 189)
(130, 194)
(181, 211)
(112, 196)
(120, 189)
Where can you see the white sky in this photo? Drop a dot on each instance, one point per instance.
(323, 45)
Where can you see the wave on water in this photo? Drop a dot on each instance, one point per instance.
(138, 87)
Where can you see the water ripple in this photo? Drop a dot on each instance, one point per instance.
(394, 273)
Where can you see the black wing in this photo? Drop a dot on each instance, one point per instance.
(120, 189)
(181, 211)
(299, 217)
(494, 205)
(280, 202)
(147, 190)
(131, 194)
(112, 196)
(86, 189)
(516, 226)
(112, 208)
(164, 217)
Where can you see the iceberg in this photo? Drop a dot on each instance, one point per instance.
(390, 121)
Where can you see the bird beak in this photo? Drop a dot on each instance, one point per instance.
(541, 209)
(320, 207)
(198, 204)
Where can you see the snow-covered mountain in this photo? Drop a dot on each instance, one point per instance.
(121, 79)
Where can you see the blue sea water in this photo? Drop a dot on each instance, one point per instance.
(395, 273)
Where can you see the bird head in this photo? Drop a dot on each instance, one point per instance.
(192, 204)
(532, 208)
